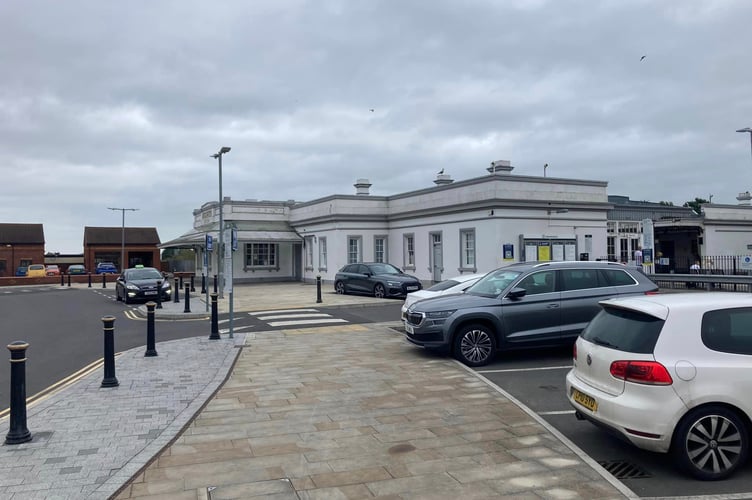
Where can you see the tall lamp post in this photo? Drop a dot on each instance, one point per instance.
(749, 131)
(122, 236)
(220, 252)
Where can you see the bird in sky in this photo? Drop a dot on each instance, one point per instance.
(643, 57)
(440, 172)
(371, 110)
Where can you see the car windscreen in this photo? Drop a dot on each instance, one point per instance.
(144, 274)
(383, 269)
(444, 285)
(624, 329)
(493, 283)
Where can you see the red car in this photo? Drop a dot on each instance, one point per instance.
(52, 270)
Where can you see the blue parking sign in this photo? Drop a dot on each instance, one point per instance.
(209, 242)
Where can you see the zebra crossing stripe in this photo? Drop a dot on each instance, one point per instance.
(281, 311)
(307, 322)
(295, 316)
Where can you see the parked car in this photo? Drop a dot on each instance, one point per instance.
(453, 285)
(52, 270)
(106, 268)
(671, 373)
(22, 270)
(140, 283)
(76, 269)
(523, 305)
(36, 271)
(375, 278)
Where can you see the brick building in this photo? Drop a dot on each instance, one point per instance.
(105, 244)
(20, 245)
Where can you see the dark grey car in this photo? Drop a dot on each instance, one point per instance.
(142, 283)
(531, 304)
(375, 278)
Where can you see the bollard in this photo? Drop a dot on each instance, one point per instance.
(150, 349)
(68, 280)
(109, 379)
(187, 301)
(215, 283)
(193, 288)
(318, 289)
(203, 283)
(214, 322)
(18, 432)
(62, 279)
(176, 298)
(181, 281)
(104, 280)
(159, 294)
(89, 280)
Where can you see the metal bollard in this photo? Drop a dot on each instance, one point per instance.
(193, 288)
(18, 432)
(159, 294)
(69, 280)
(203, 283)
(89, 280)
(109, 379)
(150, 349)
(318, 289)
(176, 298)
(215, 283)
(214, 322)
(62, 279)
(187, 301)
(104, 280)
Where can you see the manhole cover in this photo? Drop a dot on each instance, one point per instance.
(622, 469)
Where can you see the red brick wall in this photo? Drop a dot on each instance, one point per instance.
(13, 256)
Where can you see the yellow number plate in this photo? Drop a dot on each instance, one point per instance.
(588, 402)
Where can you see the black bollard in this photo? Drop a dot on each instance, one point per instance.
(203, 283)
(89, 280)
(214, 322)
(193, 288)
(62, 279)
(104, 280)
(109, 379)
(176, 298)
(68, 279)
(215, 283)
(18, 432)
(318, 289)
(187, 299)
(150, 349)
(159, 294)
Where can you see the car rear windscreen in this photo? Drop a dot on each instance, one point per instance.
(625, 330)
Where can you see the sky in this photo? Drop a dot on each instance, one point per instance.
(120, 104)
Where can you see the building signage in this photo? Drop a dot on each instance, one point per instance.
(209, 243)
(508, 250)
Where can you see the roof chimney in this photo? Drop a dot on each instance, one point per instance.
(361, 186)
(443, 179)
(500, 167)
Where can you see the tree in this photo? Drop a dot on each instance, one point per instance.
(696, 205)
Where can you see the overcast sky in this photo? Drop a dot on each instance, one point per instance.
(120, 104)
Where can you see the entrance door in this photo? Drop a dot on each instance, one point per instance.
(437, 259)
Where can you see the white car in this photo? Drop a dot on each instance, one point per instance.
(671, 373)
(453, 285)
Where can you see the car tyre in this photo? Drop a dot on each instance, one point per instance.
(117, 295)
(474, 345)
(711, 442)
(125, 297)
(379, 291)
(339, 287)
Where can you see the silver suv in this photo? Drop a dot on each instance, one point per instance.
(523, 305)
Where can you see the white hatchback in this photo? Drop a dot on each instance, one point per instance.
(453, 285)
(671, 373)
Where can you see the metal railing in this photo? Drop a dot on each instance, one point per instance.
(720, 282)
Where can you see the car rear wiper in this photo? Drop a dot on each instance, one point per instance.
(602, 342)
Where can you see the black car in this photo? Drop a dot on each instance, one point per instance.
(529, 304)
(375, 278)
(140, 283)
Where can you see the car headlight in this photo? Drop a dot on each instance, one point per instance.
(131, 286)
(393, 283)
(440, 314)
(166, 284)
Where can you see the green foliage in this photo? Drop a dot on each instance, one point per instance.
(696, 205)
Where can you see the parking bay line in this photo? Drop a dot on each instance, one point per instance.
(565, 367)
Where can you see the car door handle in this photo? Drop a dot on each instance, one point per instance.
(552, 306)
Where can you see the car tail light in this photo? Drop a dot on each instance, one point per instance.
(641, 372)
(653, 292)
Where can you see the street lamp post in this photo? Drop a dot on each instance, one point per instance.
(220, 256)
(122, 236)
(749, 131)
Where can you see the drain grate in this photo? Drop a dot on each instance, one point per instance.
(622, 469)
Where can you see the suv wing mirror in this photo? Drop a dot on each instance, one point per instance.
(516, 293)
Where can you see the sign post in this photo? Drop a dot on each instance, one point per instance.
(209, 245)
(648, 245)
(230, 235)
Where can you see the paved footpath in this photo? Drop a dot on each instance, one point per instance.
(332, 412)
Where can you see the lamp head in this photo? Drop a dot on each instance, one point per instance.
(746, 129)
(225, 149)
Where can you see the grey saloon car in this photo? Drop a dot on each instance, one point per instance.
(523, 305)
(375, 278)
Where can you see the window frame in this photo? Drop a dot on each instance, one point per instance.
(383, 238)
(408, 251)
(248, 255)
(465, 264)
(358, 240)
(322, 253)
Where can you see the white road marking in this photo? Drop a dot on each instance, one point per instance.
(562, 412)
(282, 311)
(307, 322)
(294, 316)
(565, 367)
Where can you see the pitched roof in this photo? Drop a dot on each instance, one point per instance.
(114, 236)
(27, 234)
